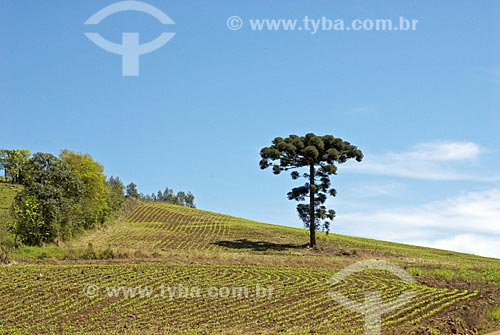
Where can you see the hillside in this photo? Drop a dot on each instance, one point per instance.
(163, 259)
(158, 228)
(7, 194)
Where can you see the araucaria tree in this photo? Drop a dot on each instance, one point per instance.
(319, 155)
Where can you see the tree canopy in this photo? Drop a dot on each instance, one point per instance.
(12, 161)
(131, 191)
(95, 193)
(47, 207)
(320, 155)
(64, 195)
(116, 193)
(169, 196)
(61, 196)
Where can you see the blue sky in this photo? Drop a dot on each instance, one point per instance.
(422, 105)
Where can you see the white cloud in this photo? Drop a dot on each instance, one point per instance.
(444, 151)
(427, 161)
(376, 190)
(469, 243)
(460, 223)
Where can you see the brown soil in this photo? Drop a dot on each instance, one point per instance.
(470, 317)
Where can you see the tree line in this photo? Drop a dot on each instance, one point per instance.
(66, 194)
(180, 198)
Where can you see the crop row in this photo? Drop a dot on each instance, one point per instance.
(43, 298)
(156, 227)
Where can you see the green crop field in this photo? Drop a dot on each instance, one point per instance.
(299, 300)
(166, 269)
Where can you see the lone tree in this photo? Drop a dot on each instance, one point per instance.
(319, 154)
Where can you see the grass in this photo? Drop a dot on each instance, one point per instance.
(40, 253)
(160, 245)
(495, 314)
(7, 194)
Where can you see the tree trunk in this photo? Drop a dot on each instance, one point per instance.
(312, 221)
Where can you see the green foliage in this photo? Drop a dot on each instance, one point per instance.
(12, 163)
(48, 206)
(116, 193)
(168, 196)
(132, 192)
(89, 253)
(61, 196)
(29, 224)
(319, 154)
(93, 202)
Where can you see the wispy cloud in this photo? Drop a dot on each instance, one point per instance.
(478, 244)
(427, 161)
(443, 151)
(371, 190)
(466, 218)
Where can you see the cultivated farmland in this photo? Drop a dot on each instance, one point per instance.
(173, 269)
(59, 302)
